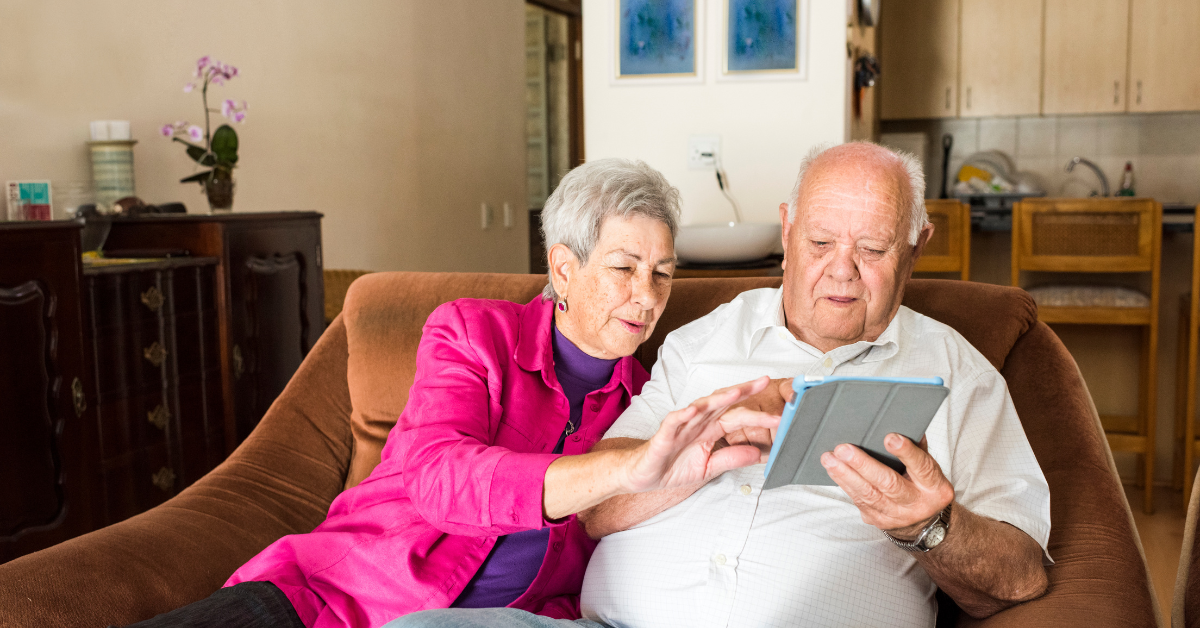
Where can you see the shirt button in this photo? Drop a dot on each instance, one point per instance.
(595, 407)
(828, 363)
(575, 438)
(720, 559)
(746, 489)
(558, 546)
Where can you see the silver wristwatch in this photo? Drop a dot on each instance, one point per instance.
(930, 536)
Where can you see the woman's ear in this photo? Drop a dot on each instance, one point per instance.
(563, 265)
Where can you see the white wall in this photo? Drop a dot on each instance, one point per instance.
(765, 127)
(395, 118)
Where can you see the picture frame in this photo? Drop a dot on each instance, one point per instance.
(764, 40)
(657, 41)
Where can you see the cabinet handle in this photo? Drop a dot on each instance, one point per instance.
(947, 99)
(968, 98)
(239, 366)
(1139, 92)
(155, 353)
(77, 397)
(164, 479)
(152, 298)
(1116, 92)
(159, 417)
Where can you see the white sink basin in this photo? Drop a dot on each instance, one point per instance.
(727, 242)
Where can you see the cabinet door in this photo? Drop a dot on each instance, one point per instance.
(1001, 57)
(1164, 55)
(1085, 57)
(919, 59)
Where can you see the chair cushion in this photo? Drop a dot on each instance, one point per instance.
(1088, 296)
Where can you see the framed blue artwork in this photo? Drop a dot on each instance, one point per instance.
(656, 38)
(764, 36)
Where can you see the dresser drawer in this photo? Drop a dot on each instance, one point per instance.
(129, 359)
(131, 298)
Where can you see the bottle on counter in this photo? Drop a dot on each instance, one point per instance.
(1127, 181)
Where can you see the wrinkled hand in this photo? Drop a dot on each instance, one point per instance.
(681, 452)
(900, 504)
(770, 400)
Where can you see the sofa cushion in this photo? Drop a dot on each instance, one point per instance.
(384, 315)
(385, 312)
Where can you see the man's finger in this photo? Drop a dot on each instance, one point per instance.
(732, 457)
(858, 489)
(921, 467)
(879, 475)
(785, 389)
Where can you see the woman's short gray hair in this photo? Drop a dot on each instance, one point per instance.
(597, 191)
(915, 203)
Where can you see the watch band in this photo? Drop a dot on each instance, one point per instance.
(941, 524)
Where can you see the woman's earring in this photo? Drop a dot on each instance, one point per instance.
(562, 306)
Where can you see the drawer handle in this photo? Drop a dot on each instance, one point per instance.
(164, 479)
(159, 417)
(239, 366)
(77, 397)
(152, 298)
(155, 353)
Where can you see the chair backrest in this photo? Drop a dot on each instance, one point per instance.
(1086, 235)
(949, 250)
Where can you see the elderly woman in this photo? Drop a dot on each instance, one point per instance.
(473, 503)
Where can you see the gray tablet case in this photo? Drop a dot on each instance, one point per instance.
(848, 410)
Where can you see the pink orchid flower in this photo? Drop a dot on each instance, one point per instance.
(196, 133)
(167, 130)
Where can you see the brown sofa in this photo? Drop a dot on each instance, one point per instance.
(326, 429)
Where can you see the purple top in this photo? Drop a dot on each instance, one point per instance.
(516, 558)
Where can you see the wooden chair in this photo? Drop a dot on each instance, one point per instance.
(1099, 236)
(1185, 381)
(949, 251)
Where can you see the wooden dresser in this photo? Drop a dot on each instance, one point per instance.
(121, 384)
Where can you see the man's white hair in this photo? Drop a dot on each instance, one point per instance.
(598, 190)
(914, 200)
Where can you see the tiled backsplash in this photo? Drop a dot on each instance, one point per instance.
(1164, 150)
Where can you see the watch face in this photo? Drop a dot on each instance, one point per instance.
(935, 536)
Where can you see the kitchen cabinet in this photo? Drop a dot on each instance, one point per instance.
(1164, 55)
(1085, 56)
(919, 59)
(45, 414)
(1001, 57)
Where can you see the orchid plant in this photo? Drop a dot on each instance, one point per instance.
(216, 150)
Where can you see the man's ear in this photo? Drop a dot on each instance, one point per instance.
(563, 264)
(787, 224)
(922, 240)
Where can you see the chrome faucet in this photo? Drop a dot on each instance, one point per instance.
(1099, 173)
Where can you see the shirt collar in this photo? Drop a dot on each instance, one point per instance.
(770, 316)
(535, 347)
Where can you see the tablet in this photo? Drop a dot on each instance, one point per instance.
(829, 411)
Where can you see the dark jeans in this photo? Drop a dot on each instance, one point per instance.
(245, 605)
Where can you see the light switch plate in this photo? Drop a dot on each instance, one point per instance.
(702, 151)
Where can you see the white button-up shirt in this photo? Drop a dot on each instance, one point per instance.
(732, 555)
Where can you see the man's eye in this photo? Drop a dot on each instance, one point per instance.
(662, 275)
(624, 269)
(876, 251)
(819, 243)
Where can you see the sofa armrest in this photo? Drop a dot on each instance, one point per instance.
(1100, 577)
(280, 481)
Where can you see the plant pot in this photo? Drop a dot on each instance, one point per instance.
(220, 194)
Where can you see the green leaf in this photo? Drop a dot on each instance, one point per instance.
(225, 144)
(199, 176)
(200, 156)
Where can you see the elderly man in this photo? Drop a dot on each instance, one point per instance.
(971, 515)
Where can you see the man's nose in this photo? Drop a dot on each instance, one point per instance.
(844, 266)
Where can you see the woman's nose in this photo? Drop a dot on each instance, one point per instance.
(643, 293)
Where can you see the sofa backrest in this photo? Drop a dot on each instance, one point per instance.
(385, 312)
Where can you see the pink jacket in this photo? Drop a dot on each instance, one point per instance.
(464, 464)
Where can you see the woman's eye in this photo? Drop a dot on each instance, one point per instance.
(819, 243)
(662, 275)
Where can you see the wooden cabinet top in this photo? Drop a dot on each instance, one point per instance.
(222, 218)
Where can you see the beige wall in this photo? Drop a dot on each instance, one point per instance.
(766, 126)
(395, 119)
